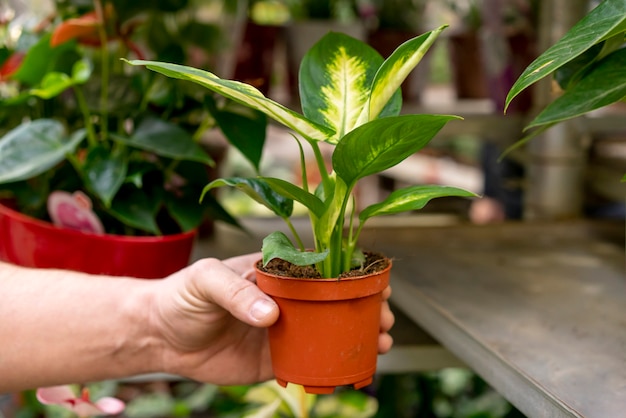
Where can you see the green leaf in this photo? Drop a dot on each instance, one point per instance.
(383, 143)
(335, 79)
(395, 70)
(33, 148)
(52, 85)
(138, 210)
(244, 94)
(604, 84)
(603, 22)
(293, 192)
(167, 140)
(40, 59)
(257, 189)
(277, 245)
(55, 83)
(411, 198)
(243, 127)
(81, 71)
(217, 212)
(104, 172)
(185, 210)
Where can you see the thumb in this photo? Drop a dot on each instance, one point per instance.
(242, 298)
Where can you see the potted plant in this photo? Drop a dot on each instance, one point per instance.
(327, 331)
(114, 159)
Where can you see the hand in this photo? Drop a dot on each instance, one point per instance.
(212, 318)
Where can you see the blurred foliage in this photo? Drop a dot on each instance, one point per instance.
(446, 393)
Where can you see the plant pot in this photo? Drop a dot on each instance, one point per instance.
(327, 332)
(30, 242)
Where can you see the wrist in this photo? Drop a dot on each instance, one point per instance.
(140, 350)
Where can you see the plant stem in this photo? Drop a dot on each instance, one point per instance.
(84, 109)
(295, 234)
(104, 89)
(319, 158)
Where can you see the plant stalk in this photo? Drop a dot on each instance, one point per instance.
(84, 109)
(104, 88)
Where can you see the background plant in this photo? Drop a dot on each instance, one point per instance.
(131, 141)
(350, 99)
(588, 64)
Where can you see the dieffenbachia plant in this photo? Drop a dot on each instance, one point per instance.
(350, 98)
(588, 62)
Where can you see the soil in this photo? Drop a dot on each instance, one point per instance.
(374, 262)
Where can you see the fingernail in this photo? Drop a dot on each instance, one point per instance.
(261, 308)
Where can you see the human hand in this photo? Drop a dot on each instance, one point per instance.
(212, 319)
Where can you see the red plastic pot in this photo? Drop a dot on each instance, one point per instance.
(327, 332)
(29, 242)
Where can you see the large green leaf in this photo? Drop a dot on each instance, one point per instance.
(244, 94)
(138, 210)
(104, 172)
(383, 143)
(395, 70)
(411, 198)
(293, 192)
(33, 148)
(166, 139)
(185, 210)
(257, 189)
(603, 22)
(604, 84)
(40, 60)
(277, 245)
(335, 78)
(245, 129)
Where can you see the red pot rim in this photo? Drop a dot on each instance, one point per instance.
(26, 219)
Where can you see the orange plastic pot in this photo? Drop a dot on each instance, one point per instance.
(327, 332)
(30, 242)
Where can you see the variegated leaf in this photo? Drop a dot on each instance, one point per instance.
(244, 94)
(335, 79)
(411, 198)
(603, 22)
(395, 70)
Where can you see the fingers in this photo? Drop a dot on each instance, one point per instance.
(217, 282)
(387, 319)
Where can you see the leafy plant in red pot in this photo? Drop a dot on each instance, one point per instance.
(326, 335)
(102, 169)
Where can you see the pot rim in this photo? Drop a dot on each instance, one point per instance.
(324, 279)
(323, 289)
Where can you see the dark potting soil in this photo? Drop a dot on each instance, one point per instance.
(374, 262)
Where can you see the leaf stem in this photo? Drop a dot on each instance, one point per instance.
(295, 234)
(104, 89)
(84, 109)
